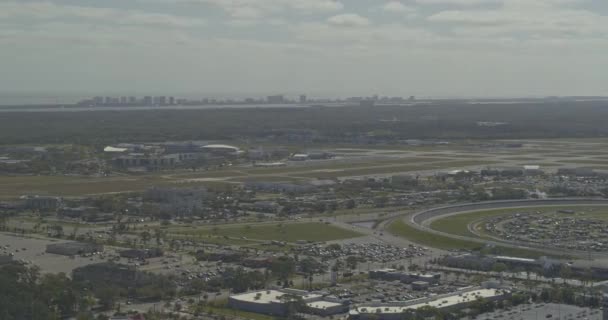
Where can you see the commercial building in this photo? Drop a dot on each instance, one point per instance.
(420, 285)
(275, 99)
(221, 149)
(105, 272)
(299, 157)
(326, 308)
(149, 161)
(276, 302)
(41, 203)
(446, 302)
(73, 248)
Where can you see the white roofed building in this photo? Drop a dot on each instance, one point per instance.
(455, 300)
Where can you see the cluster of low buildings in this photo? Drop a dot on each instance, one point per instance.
(546, 266)
(151, 156)
(277, 302)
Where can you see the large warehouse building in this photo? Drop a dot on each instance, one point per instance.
(451, 301)
(221, 149)
(73, 248)
(271, 302)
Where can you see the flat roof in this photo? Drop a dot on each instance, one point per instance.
(323, 304)
(219, 146)
(265, 296)
(268, 296)
(114, 149)
(439, 302)
(514, 259)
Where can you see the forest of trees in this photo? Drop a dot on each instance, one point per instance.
(438, 121)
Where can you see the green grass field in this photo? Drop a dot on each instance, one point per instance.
(386, 169)
(15, 186)
(289, 232)
(402, 229)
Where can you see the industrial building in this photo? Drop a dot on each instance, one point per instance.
(446, 302)
(272, 302)
(41, 203)
(142, 160)
(73, 248)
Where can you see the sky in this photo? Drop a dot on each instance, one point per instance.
(430, 48)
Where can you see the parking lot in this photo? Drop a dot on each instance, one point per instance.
(550, 311)
(32, 252)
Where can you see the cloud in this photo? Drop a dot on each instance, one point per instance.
(266, 7)
(246, 13)
(458, 2)
(548, 19)
(397, 7)
(348, 20)
(51, 11)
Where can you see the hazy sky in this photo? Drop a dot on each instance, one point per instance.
(345, 47)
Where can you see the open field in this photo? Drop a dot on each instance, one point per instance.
(393, 169)
(289, 232)
(402, 229)
(356, 161)
(15, 186)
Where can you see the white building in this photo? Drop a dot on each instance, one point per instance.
(221, 149)
(271, 302)
(456, 300)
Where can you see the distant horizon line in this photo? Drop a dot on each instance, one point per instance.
(237, 95)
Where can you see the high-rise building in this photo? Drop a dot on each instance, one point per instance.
(123, 100)
(108, 100)
(147, 100)
(275, 99)
(303, 98)
(367, 103)
(171, 100)
(162, 100)
(156, 101)
(98, 101)
(132, 100)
